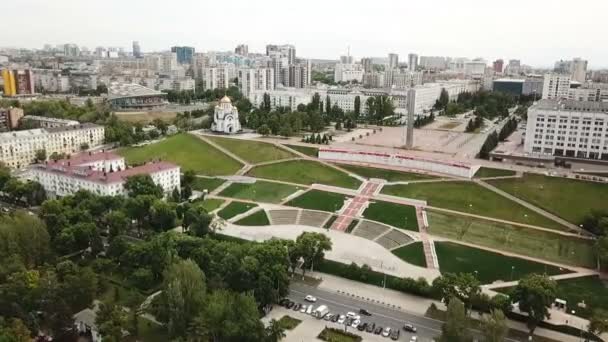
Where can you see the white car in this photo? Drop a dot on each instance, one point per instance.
(341, 319)
(355, 323)
(303, 309)
(310, 298)
(309, 310)
(386, 332)
(414, 339)
(350, 314)
(328, 317)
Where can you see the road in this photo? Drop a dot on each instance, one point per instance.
(428, 328)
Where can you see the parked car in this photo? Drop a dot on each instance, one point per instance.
(362, 326)
(310, 298)
(364, 312)
(290, 304)
(351, 314)
(409, 327)
(335, 318)
(303, 309)
(355, 323)
(414, 339)
(378, 330)
(309, 310)
(370, 327)
(342, 319)
(386, 332)
(328, 317)
(284, 301)
(395, 334)
(297, 307)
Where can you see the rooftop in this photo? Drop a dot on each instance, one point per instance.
(120, 90)
(513, 80)
(576, 106)
(30, 133)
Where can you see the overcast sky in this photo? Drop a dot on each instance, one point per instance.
(536, 31)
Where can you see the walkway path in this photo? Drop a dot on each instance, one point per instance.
(430, 255)
(354, 207)
(538, 210)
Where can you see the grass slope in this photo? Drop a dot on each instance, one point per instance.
(485, 172)
(211, 204)
(307, 150)
(259, 191)
(252, 151)
(388, 175)
(490, 266)
(318, 200)
(412, 253)
(209, 184)
(471, 198)
(256, 219)
(234, 208)
(519, 240)
(568, 198)
(188, 151)
(396, 215)
(305, 172)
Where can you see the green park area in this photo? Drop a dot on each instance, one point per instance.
(307, 150)
(393, 214)
(338, 335)
(206, 183)
(486, 172)
(319, 200)
(486, 265)
(305, 172)
(234, 208)
(289, 323)
(259, 218)
(187, 151)
(567, 198)
(513, 239)
(471, 198)
(260, 191)
(211, 204)
(252, 151)
(388, 175)
(412, 253)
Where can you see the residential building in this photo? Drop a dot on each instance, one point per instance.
(183, 54)
(287, 50)
(348, 72)
(226, 117)
(184, 83)
(168, 62)
(348, 59)
(137, 50)
(498, 65)
(48, 122)
(51, 80)
(300, 75)
(412, 61)
(434, 63)
(402, 79)
(393, 60)
(578, 70)
(242, 49)
(9, 118)
(368, 65)
(576, 129)
(251, 79)
(18, 149)
(556, 86)
(102, 173)
(18, 82)
(218, 77)
(374, 79)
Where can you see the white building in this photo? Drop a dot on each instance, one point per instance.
(101, 173)
(348, 72)
(218, 77)
(18, 149)
(435, 63)
(578, 70)
(562, 86)
(556, 86)
(393, 61)
(401, 79)
(567, 128)
(226, 117)
(412, 61)
(374, 79)
(185, 83)
(51, 80)
(48, 122)
(251, 79)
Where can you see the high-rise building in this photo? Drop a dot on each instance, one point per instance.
(287, 50)
(242, 49)
(184, 54)
(435, 63)
(412, 61)
(498, 66)
(218, 77)
(348, 59)
(71, 50)
(393, 60)
(300, 75)
(137, 50)
(250, 79)
(556, 86)
(367, 64)
(578, 70)
(9, 118)
(18, 82)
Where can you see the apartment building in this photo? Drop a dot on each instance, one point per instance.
(251, 79)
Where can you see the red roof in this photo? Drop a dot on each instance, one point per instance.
(399, 156)
(84, 158)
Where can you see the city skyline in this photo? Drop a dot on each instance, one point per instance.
(446, 29)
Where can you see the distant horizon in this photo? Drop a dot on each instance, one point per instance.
(536, 32)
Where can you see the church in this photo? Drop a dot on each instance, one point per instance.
(226, 117)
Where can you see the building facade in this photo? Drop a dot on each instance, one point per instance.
(412, 61)
(18, 82)
(226, 117)
(9, 118)
(183, 54)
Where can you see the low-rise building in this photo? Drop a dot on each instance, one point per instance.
(48, 122)
(135, 97)
(102, 173)
(9, 118)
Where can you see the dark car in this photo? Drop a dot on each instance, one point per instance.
(370, 327)
(378, 330)
(409, 327)
(290, 304)
(361, 326)
(395, 335)
(284, 301)
(297, 307)
(335, 318)
(364, 312)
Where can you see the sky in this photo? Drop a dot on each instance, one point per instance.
(538, 32)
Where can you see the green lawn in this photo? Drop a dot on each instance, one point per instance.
(412, 253)
(150, 332)
(568, 198)
(211, 204)
(519, 240)
(338, 335)
(209, 184)
(305, 172)
(490, 266)
(471, 198)
(234, 208)
(288, 322)
(259, 191)
(485, 172)
(256, 219)
(388, 175)
(307, 150)
(396, 215)
(252, 151)
(319, 200)
(188, 151)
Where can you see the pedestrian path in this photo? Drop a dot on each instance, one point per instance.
(430, 255)
(354, 207)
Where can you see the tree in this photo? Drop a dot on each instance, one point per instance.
(327, 104)
(266, 103)
(601, 250)
(494, 326)
(357, 106)
(455, 327)
(598, 322)
(41, 155)
(161, 126)
(111, 320)
(264, 130)
(14, 331)
(275, 331)
(197, 220)
(142, 185)
(462, 286)
(162, 215)
(444, 99)
(311, 248)
(183, 295)
(535, 293)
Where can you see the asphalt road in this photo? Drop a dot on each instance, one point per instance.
(428, 328)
